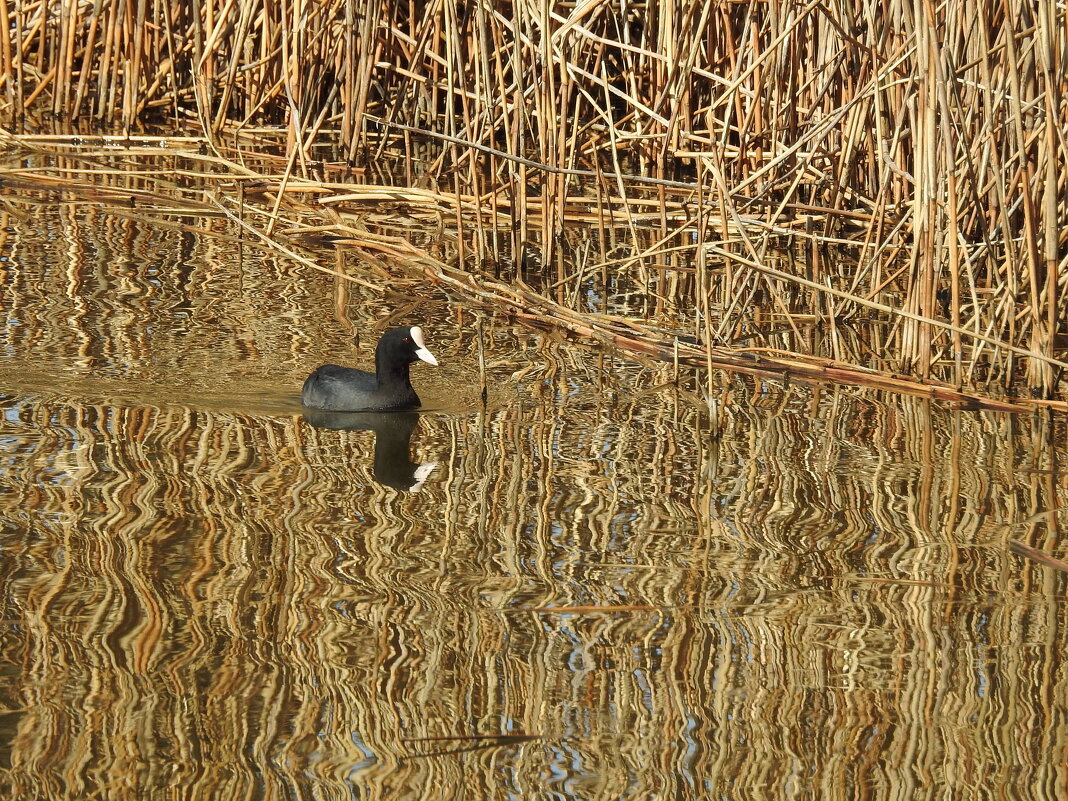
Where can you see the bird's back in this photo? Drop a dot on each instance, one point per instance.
(336, 388)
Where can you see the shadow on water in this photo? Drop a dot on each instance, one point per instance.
(393, 466)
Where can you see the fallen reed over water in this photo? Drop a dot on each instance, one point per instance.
(747, 176)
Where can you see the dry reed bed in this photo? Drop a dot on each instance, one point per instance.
(693, 139)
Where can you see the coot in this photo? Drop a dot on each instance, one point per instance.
(345, 389)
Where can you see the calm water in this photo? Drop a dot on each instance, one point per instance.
(600, 590)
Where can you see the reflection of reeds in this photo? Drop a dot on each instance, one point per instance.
(220, 599)
(227, 602)
(819, 162)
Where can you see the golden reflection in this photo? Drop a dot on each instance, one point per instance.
(596, 593)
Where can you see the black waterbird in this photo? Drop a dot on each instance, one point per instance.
(346, 389)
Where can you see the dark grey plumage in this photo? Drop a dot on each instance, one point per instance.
(335, 388)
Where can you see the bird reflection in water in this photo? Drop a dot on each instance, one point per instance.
(393, 466)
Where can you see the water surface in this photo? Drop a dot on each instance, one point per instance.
(607, 586)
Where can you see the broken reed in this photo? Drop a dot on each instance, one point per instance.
(927, 136)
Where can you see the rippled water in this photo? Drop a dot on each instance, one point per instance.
(600, 590)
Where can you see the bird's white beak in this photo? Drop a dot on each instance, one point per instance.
(421, 351)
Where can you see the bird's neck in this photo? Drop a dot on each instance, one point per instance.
(391, 373)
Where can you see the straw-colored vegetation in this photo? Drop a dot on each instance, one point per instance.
(856, 191)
